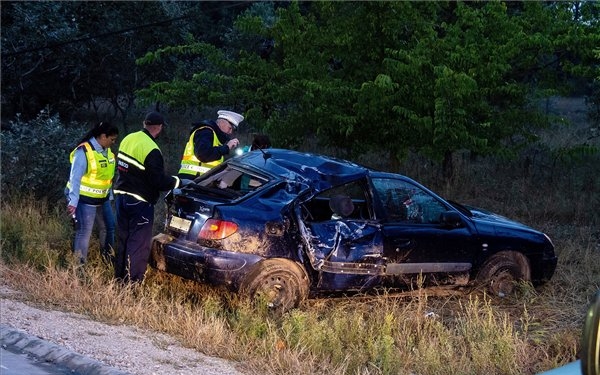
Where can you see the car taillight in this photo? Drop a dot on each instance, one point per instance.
(214, 229)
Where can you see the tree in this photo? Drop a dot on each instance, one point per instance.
(28, 60)
(70, 55)
(393, 77)
(45, 172)
(472, 84)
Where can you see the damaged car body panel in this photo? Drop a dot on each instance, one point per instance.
(285, 224)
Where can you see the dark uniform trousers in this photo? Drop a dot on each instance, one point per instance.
(135, 219)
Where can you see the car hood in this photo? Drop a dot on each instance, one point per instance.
(485, 217)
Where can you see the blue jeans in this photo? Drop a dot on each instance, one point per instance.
(85, 215)
(105, 221)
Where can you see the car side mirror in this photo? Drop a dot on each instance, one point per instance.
(451, 219)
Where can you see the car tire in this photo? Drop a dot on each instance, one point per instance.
(590, 340)
(280, 283)
(502, 271)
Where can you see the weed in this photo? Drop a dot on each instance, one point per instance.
(384, 334)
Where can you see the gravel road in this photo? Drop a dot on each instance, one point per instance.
(125, 348)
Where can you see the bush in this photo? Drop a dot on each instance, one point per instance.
(35, 155)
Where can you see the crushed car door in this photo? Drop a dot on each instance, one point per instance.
(341, 236)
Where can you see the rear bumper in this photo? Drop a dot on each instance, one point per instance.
(192, 261)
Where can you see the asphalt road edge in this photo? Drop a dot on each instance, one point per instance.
(12, 338)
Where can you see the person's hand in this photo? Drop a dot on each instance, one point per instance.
(71, 210)
(233, 143)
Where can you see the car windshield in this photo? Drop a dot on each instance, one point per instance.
(461, 208)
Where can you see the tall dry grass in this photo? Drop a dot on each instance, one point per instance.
(387, 334)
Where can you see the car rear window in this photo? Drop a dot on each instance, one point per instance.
(233, 182)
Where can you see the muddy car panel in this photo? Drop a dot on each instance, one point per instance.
(280, 203)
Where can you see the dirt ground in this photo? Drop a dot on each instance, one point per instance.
(129, 349)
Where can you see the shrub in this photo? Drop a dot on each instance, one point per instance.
(35, 155)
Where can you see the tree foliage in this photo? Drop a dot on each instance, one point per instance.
(68, 55)
(388, 78)
(45, 171)
(393, 77)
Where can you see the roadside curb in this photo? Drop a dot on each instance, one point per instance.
(12, 338)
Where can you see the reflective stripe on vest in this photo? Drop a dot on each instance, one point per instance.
(97, 180)
(134, 149)
(136, 196)
(132, 154)
(190, 163)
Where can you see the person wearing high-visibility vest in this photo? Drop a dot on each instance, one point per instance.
(140, 179)
(208, 144)
(90, 181)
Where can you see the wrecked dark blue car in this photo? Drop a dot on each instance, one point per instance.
(284, 225)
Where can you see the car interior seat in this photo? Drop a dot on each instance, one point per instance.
(341, 206)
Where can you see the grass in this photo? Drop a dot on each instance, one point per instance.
(387, 334)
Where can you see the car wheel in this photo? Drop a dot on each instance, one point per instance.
(280, 283)
(502, 271)
(590, 346)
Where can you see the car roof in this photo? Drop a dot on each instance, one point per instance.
(319, 171)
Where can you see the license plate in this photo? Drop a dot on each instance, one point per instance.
(179, 224)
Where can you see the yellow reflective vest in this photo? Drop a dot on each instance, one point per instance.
(98, 178)
(190, 165)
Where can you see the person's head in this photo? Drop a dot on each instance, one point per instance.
(154, 122)
(228, 121)
(260, 141)
(341, 205)
(105, 133)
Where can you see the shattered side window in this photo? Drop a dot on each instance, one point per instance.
(405, 202)
(352, 199)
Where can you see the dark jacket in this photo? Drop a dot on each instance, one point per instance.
(137, 149)
(203, 142)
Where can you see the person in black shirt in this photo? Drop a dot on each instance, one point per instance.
(141, 178)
